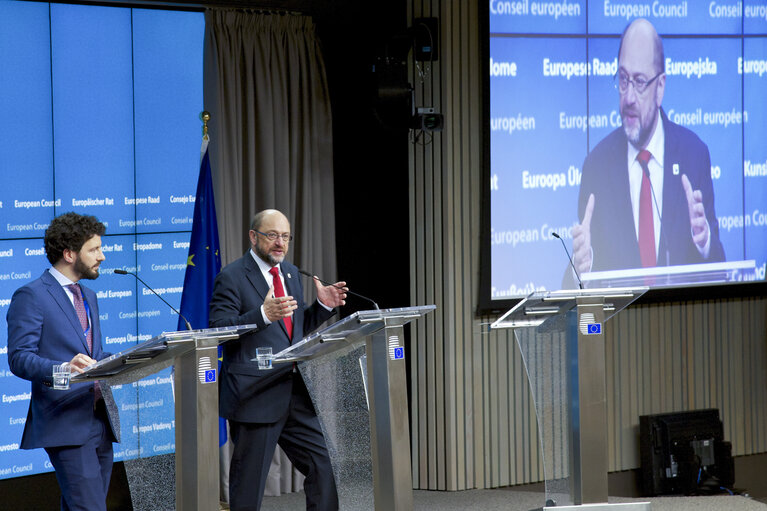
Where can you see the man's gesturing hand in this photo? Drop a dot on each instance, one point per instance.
(697, 212)
(277, 308)
(582, 253)
(332, 296)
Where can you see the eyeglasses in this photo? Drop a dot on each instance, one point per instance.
(272, 236)
(622, 82)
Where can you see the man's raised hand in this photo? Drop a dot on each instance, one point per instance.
(582, 253)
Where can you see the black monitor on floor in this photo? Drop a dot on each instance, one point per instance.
(685, 453)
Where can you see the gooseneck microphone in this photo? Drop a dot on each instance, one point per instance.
(302, 272)
(557, 236)
(123, 272)
(646, 172)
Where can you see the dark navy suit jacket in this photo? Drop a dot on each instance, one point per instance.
(43, 330)
(247, 394)
(613, 236)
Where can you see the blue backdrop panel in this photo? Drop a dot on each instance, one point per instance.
(93, 111)
(167, 54)
(162, 258)
(26, 180)
(96, 86)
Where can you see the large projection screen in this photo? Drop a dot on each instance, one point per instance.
(553, 97)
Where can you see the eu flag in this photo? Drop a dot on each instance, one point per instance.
(204, 260)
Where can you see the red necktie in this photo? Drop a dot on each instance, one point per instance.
(646, 222)
(279, 291)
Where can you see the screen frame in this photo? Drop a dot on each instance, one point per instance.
(485, 304)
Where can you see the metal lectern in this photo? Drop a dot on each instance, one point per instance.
(352, 366)
(195, 356)
(560, 335)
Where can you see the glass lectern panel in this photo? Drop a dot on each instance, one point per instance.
(545, 328)
(334, 367)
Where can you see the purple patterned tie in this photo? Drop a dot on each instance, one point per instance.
(82, 315)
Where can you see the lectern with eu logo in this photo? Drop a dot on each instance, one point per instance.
(194, 355)
(560, 335)
(355, 371)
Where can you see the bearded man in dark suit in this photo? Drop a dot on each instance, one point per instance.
(646, 196)
(266, 407)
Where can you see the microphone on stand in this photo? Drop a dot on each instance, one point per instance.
(557, 236)
(123, 272)
(302, 272)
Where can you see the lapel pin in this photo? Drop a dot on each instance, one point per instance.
(675, 169)
(289, 276)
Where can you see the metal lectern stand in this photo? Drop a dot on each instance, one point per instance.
(385, 380)
(195, 356)
(561, 338)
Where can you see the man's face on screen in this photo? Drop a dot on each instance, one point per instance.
(639, 110)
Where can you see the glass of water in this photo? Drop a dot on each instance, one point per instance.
(264, 357)
(61, 377)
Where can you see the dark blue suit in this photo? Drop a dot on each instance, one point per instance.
(267, 407)
(43, 330)
(613, 236)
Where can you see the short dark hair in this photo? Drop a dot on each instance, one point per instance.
(70, 231)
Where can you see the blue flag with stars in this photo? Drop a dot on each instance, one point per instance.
(204, 260)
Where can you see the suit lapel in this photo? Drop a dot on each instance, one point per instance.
(61, 298)
(293, 288)
(254, 276)
(621, 212)
(675, 214)
(289, 278)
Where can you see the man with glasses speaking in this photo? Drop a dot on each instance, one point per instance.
(266, 407)
(646, 196)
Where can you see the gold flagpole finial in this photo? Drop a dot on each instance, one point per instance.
(205, 116)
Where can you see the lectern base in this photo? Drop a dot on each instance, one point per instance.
(623, 506)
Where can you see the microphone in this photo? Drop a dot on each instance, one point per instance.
(646, 172)
(302, 272)
(557, 236)
(123, 272)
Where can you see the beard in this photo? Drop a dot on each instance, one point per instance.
(267, 257)
(85, 272)
(639, 134)
(632, 133)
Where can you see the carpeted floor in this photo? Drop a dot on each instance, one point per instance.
(512, 500)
